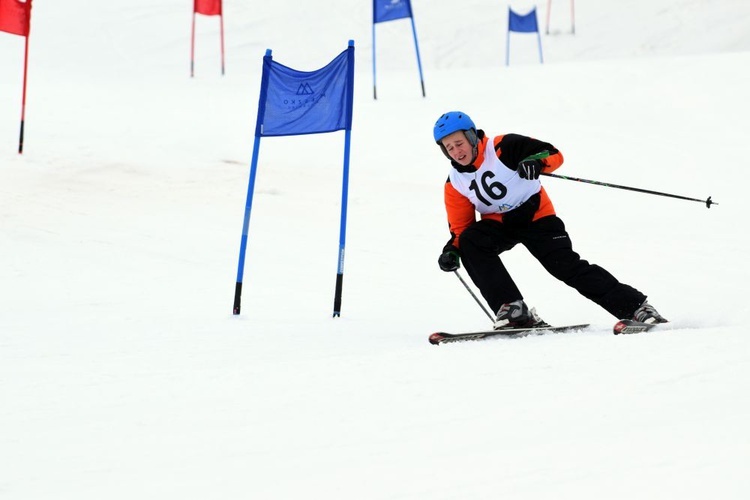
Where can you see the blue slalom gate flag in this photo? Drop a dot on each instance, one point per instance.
(525, 23)
(522, 23)
(305, 102)
(296, 103)
(389, 10)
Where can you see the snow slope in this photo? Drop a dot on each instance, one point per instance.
(123, 373)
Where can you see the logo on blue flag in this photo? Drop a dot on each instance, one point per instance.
(305, 89)
(389, 10)
(306, 102)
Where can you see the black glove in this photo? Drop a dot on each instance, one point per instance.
(449, 260)
(530, 169)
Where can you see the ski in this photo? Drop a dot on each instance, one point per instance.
(444, 337)
(632, 326)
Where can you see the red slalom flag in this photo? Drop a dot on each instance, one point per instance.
(15, 16)
(207, 7)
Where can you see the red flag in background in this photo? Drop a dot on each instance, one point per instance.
(205, 7)
(15, 16)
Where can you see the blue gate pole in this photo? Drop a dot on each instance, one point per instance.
(345, 184)
(507, 48)
(539, 41)
(374, 74)
(342, 228)
(419, 61)
(245, 225)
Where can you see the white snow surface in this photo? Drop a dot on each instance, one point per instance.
(124, 374)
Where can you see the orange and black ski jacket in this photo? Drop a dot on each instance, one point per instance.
(510, 150)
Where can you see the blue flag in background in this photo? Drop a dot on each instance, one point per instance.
(306, 102)
(522, 24)
(388, 10)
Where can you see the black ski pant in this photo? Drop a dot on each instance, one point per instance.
(482, 243)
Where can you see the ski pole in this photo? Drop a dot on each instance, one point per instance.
(707, 201)
(473, 295)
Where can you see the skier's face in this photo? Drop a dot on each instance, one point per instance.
(459, 148)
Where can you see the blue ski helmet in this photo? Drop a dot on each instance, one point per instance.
(453, 121)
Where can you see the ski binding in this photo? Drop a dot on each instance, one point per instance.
(632, 326)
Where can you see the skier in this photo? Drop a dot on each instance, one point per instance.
(500, 180)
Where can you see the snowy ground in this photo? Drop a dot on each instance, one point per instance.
(123, 373)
